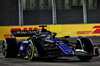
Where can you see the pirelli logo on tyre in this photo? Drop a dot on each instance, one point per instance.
(95, 31)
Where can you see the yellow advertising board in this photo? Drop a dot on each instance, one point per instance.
(61, 30)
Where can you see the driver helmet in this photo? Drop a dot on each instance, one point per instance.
(42, 30)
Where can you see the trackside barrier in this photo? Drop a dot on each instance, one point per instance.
(61, 30)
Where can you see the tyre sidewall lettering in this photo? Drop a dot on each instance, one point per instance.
(32, 50)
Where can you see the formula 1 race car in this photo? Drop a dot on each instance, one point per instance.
(43, 44)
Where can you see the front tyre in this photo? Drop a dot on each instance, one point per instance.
(87, 46)
(30, 52)
(85, 58)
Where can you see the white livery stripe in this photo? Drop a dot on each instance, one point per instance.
(25, 41)
(49, 40)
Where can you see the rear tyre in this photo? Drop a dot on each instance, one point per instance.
(87, 46)
(10, 48)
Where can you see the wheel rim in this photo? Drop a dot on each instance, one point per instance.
(32, 52)
(29, 51)
(4, 49)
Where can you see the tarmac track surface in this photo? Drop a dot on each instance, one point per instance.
(63, 61)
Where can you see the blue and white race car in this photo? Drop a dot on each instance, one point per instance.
(43, 44)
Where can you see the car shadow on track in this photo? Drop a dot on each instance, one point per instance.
(44, 60)
(59, 60)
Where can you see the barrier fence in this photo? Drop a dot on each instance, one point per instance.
(61, 30)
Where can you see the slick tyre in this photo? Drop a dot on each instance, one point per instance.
(10, 48)
(39, 45)
(35, 49)
(85, 58)
(32, 51)
(87, 46)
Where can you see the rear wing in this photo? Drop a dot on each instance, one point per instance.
(17, 32)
